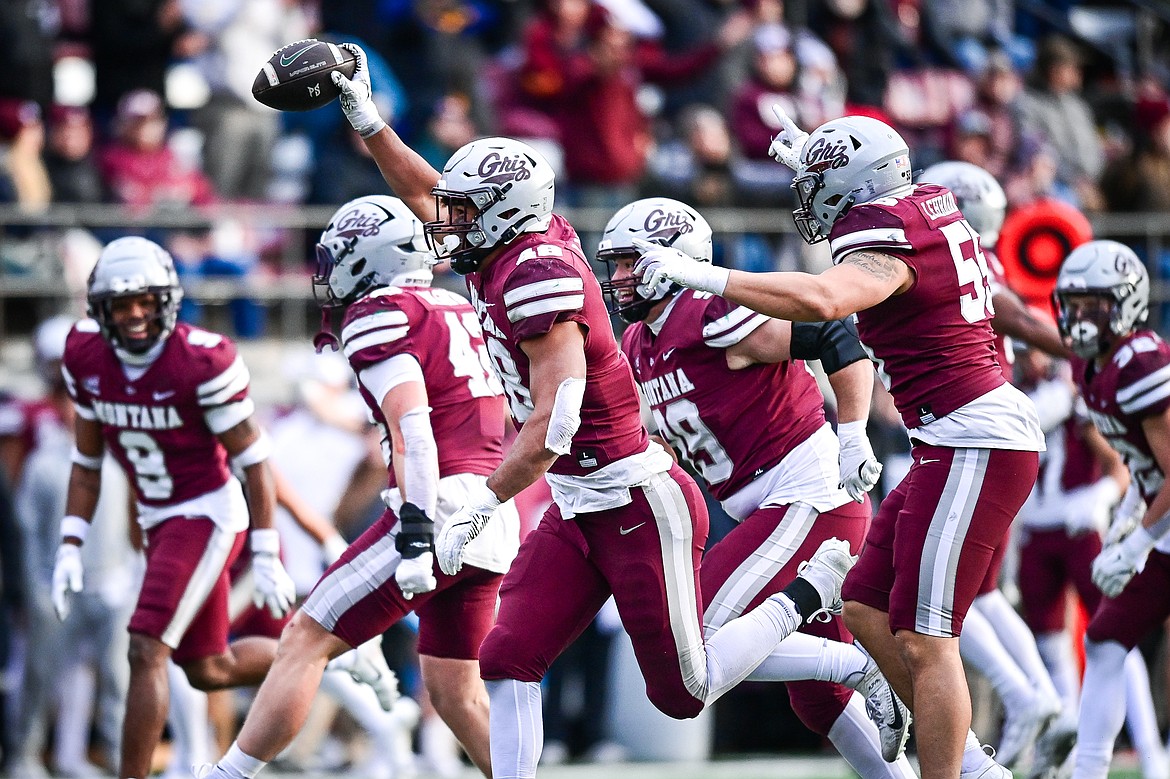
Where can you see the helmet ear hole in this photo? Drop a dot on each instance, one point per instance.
(359, 267)
(507, 215)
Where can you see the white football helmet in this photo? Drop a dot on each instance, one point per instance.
(1111, 273)
(847, 162)
(978, 194)
(657, 220)
(133, 266)
(492, 190)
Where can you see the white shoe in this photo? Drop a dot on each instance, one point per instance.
(369, 667)
(1054, 748)
(988, 769)
(826, 571)
(1023, 726)
(28, 767)
(884, 708)
(554, 753)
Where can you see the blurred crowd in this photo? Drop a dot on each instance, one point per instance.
(147, 103)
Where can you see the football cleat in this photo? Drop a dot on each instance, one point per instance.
(826, 571)
(369, 667)
(987, 769)
(1022, 726)
(1053, 748)
(884, 708)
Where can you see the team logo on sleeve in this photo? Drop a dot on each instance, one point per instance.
(91, 384)
(497, 169)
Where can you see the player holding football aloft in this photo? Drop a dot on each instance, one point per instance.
(909, 267)
(423, 372)
(626, 520)
(1123, 374)
(170, 403)
(729, 392)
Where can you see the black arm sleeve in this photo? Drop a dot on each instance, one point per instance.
(835, 343)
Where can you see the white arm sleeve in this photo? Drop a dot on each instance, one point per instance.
(421, 466)
(384, 376)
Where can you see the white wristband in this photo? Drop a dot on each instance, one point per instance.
(85, 460)
(257, 452)
(265, 541)
(716, 282)
(75, 527)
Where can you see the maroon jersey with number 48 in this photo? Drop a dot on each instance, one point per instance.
(439, 329)
(730, 425)
(933, 345)
(161, 426)
(1133, 385)
(539, 280)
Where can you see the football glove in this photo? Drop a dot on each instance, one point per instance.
(1117, 564)
(416, 542)
(665, 263)
(860, 469)
(789, 143)
(462, 528)
(67, 578)
(357, 101)
(1090, 507)
(274, 588)
(1126, 516)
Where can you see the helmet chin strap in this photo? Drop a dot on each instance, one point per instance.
(325, 337)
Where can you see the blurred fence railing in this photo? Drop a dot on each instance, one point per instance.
(44, 256)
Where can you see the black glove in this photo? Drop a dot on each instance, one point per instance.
(416, 532)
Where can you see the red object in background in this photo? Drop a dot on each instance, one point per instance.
(1033, 243)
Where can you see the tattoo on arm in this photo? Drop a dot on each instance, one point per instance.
(880, 266)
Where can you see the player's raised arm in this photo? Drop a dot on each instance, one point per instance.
(408, 174)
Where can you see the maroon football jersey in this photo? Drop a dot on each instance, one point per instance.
(1080, 467)
(539, 280)
(159, 425)
(1003, 344)
(1133, 385)
(933, 345)
(439, 329)
(731, 426)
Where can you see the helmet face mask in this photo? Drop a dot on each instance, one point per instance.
(132, 268)
(657, 220)
(492, 191)
(1102, 294)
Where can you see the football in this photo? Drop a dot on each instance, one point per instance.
(296, 77)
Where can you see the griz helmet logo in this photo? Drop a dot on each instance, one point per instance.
(824, 154)
(357, 222)
(666, 224)
(496, 169)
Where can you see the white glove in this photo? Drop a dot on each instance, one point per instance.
(462, 528)
(1091, 507)
(1126, 516)
(860, 469)
(1117, 564)
(67, 574)
(787, 154)
(357, 97)
(665, 263)
(417, 575)
(274, 588)
(333, 548)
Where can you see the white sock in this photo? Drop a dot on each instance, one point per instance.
(187, 716)
(237, 765)
(1017, 639)
(1140, 719)
(1057, 651)
(76, 689)
(980, 646)
(801, 656)
(974, 758)
(362, 703)
(1102, 708)
(439, 746)
(516, 728)
(856, 738)
(740, 645)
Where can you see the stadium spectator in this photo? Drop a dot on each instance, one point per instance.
(139, 169)
(865, 39)
(69, 157)
(23, 179)
(997, 97)
(1056, 111)
(1141, 181)
(773, 80)
(29, 29)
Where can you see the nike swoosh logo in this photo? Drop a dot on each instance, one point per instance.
(667, 353)
(163, 395)
(625, 531)
(286, 61)
(924, 461)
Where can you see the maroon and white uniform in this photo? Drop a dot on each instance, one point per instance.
(161, 422)
(1003, 344)
(759, 439)
(400, 334)
(638, 521)
(975, 437)
(1131, 387)
(1051, 557)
